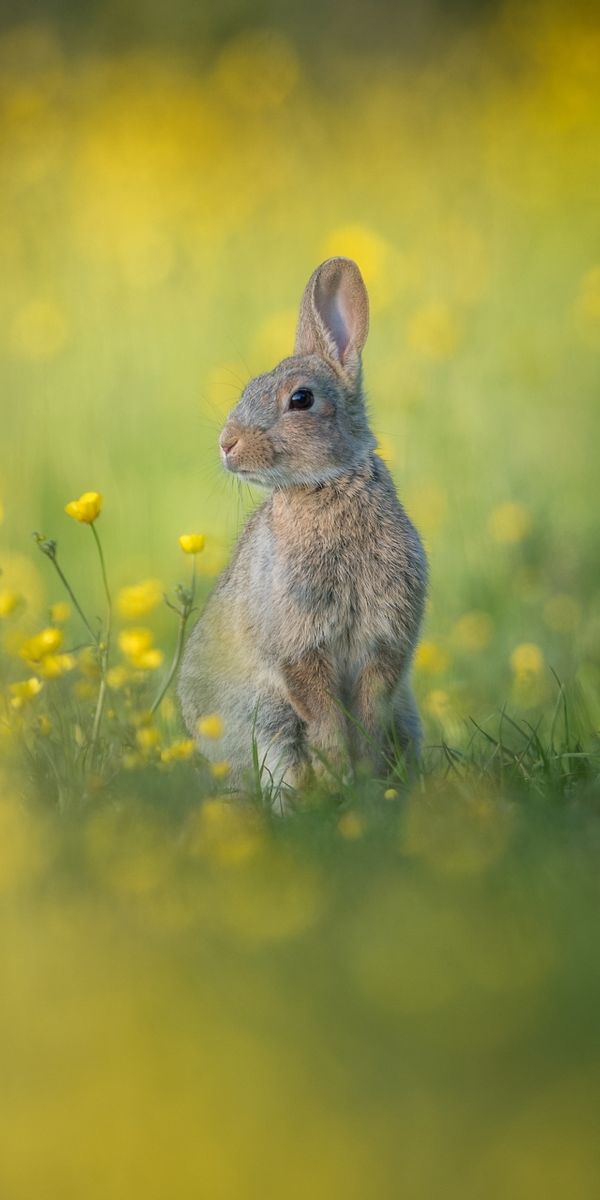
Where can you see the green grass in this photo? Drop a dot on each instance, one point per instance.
(367, 995)
(375, 996)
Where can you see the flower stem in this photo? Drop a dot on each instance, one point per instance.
(72, 596)
(183, 620)
(184, 615)
(104, 650)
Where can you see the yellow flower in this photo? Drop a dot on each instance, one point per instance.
(431, 657)
(390, 794)
(136, 645)
(220, 770)
(527, 659)
(211, 726)
(178, 751)
(473, 630)
(43, 725)
(53, 666)
(438, 703)
(25, 690)
(151, 660)
(527, 662)
(192, 543)
(86, 509)
(117, 677)
(9, 600)
(351, 826)
(133, 642)
(139, 598)
(147, 738)
(509, 522)
(227, 835)
(47, 641)
(60, 612)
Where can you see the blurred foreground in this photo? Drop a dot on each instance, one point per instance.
(403, 998)
(394, 992)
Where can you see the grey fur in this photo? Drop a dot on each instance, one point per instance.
(320, 608)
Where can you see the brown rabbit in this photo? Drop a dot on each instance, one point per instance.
(318, 613)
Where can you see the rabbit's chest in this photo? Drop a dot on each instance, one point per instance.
(329, 598)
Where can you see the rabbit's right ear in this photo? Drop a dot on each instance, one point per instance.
(334, 315)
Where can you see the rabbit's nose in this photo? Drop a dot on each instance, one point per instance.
(227, 443)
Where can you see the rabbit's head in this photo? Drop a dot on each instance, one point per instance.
(305, 422)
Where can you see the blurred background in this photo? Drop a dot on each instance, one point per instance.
(169, 179)
(398, 998)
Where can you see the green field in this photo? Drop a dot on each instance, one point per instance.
(395, 990)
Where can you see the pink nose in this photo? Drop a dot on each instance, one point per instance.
(227, 444)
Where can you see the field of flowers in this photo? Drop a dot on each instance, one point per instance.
(395, 990)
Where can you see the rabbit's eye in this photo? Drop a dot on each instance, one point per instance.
(303, 398)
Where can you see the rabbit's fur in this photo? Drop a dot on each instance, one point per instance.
(318, 613)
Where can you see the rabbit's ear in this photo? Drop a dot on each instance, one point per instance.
(334, 315)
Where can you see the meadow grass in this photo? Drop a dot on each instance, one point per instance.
(395, 989)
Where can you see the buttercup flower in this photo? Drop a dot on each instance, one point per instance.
(147, 738)
(139, 598)
(25, 690)
(192, 543)
(117, 677)
(431, 657)
(211, 726)
(527, 658)
(220, 770)
(137, 647)
(55, 665)
(9, 600)
(178, 751)
(86, 509)
(47, 641)
(59, 612)
(351, 826)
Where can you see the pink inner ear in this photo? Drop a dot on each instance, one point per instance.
(338, 322)
(335, 313)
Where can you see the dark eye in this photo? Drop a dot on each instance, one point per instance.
(303, 398)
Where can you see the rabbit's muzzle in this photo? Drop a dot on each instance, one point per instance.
(245, 449)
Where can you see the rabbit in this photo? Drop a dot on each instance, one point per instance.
(305, 646)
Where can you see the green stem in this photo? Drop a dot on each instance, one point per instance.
(183, 620)
(184, 616)
(105, 650)
(192, 586)
(105, 582)
(73, 598)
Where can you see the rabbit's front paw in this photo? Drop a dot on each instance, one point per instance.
(331, 766)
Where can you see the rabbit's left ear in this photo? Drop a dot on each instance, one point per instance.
(334, 315)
